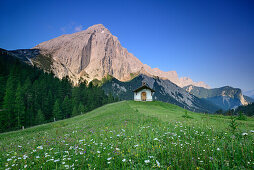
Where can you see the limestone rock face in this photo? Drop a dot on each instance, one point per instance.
(95, 53)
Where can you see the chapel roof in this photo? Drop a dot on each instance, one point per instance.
(144, 86)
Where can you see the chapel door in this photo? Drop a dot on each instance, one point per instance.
(143, 96)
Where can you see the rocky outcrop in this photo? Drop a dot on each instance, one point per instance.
(95, 53)
(225, 97)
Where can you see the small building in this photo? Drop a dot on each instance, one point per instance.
(143, 93)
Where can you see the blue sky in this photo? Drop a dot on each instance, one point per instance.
(210, 41)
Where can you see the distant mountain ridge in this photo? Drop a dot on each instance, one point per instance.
(165, 91)
(225, 97)
(93, 54)
(249, 93)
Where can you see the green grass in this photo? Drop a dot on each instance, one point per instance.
(132, 135)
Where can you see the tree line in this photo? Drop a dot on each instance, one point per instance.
(29, 96)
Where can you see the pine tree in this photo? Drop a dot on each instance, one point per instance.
(66, 107)
(9, 102)
(39, 117)
(81, 109)
(75, 111)
(19, 107)
(57, 111)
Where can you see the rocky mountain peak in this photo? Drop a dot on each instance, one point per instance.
(95, 53)
(98, 28)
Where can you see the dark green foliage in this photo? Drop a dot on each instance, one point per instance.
(20, 107)
(74, 111)
(241, 116)
(29, 96)
(247, 110)
(233, 125)
(57, 113)
(186, 115)
(39, 117)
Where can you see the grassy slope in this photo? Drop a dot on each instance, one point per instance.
(127, 132)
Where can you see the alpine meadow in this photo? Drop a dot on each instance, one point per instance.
(131, 84)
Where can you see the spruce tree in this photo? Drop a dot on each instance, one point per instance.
(7, 118)
(39, 117)
(66, 107)
(81, 109)
(57, 111)
(19, 107)
(75, 111)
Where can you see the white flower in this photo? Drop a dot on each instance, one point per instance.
(98, 151)
(117, 149)
(109, 158)
(40, 147)
(9, 160)
(63, 163)
(158, 163)
(66, 166)
(25, 166)
(218, 149)
(19, 146)
(57, 160)
(124, 160)
(24, 156)
(251, 131)
(37, 157)
(147, 161)
(155, 139)
(135, 146)
(108, 162)
(244, 134)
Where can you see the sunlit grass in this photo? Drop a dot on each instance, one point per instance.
(132, 135)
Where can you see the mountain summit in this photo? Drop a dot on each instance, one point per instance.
(95, 53)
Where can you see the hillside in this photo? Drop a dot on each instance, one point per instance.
(29, 96)
(165, 91)
(224, 97)
(131, 135)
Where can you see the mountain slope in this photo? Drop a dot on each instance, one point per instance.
(129, 135)
(224, 97)
(92, 54)
(165, 91)
(249, 93)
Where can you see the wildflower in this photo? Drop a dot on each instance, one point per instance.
(244, 134)
(24, 156)
(124, 160)
(147, 161)
(37, 157)
(57, 160)
(135, 146)
(25, 166)
(218, 149)
(251, 131)
(108, 162)
(155, 139)
(40, 147)
(109, 158)
(9, 160)
(66, 166)
(98, 152)
(158, 163)
(117, 149)
(19, 146)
